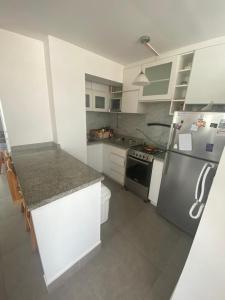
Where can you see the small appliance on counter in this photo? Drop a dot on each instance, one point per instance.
(139, 169)
(196, 142)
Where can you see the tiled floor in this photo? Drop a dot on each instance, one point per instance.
(141, 256)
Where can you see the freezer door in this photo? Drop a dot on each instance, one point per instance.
(208, 140)
(177, 191)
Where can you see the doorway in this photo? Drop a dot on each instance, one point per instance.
(4, 141)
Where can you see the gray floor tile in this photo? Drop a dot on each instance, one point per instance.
(8, 209)
(119, 271)
(13, 233)
(124, 207)
(153, 236)
(23, 274)
(108, 231)
(3, 295)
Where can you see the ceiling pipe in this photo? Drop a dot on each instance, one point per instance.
(145, 39)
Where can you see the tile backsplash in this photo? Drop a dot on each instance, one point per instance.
(95, 120)
(126, 124)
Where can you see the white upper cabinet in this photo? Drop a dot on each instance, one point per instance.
(100, 101)
(96, 97)
(207, 80)
(130, 102)
(88, 99)
(129, 76)
(161, 75)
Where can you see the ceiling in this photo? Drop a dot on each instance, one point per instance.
(112, 28)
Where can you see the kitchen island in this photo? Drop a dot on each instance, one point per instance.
(64, 197)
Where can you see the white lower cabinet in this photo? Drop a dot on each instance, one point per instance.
(155, 181)
(94, 156)
(108, 159)
(114, 162)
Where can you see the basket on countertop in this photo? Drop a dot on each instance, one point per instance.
(101, 133)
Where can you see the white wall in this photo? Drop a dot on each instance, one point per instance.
(23, 89)
(69, 64)
(204, 272)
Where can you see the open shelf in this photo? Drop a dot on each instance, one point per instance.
(182, 80)
(181, 85)
(117, 92)
(160, 80)
(176, 106)
(186, 60)
(184, 70)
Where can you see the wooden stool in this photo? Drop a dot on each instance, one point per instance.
(17, 197)
(1, 160)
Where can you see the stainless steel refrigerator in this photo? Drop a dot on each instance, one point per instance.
(195, 145)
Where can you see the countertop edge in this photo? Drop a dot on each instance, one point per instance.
(107, 142)
(61, 195)
(160, 156)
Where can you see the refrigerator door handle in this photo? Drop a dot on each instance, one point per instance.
(199, 180)
(171, 136)
(210, 166)
(166, 163)
(203, 175)
(199, 212)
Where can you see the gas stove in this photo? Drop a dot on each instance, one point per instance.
(144, 152)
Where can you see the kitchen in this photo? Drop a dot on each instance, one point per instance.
(92, 136)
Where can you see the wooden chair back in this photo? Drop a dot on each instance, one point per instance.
(1, 160)
(13, 184)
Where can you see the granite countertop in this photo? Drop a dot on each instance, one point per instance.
(47, 174)
(124, 144)
(118, 142)
(160, 156)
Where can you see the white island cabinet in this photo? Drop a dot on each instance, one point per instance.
(67, 230)
(155, 181)
(63, 196)
(207, 76)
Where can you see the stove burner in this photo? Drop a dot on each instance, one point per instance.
(144, 152)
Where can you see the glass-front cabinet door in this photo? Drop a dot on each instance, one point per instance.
(100, 101)
(161, 75)
(88, 99)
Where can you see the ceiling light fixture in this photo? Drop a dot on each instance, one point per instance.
(142, 79)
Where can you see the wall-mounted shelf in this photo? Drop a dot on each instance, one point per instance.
(181, 85)
(178, 100)
(116, 92)
(182, 79)
(159, 80)
(184, 70)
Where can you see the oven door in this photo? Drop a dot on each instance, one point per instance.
(138, 174)
(138, 171)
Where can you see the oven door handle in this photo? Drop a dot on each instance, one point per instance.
(138, 160)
